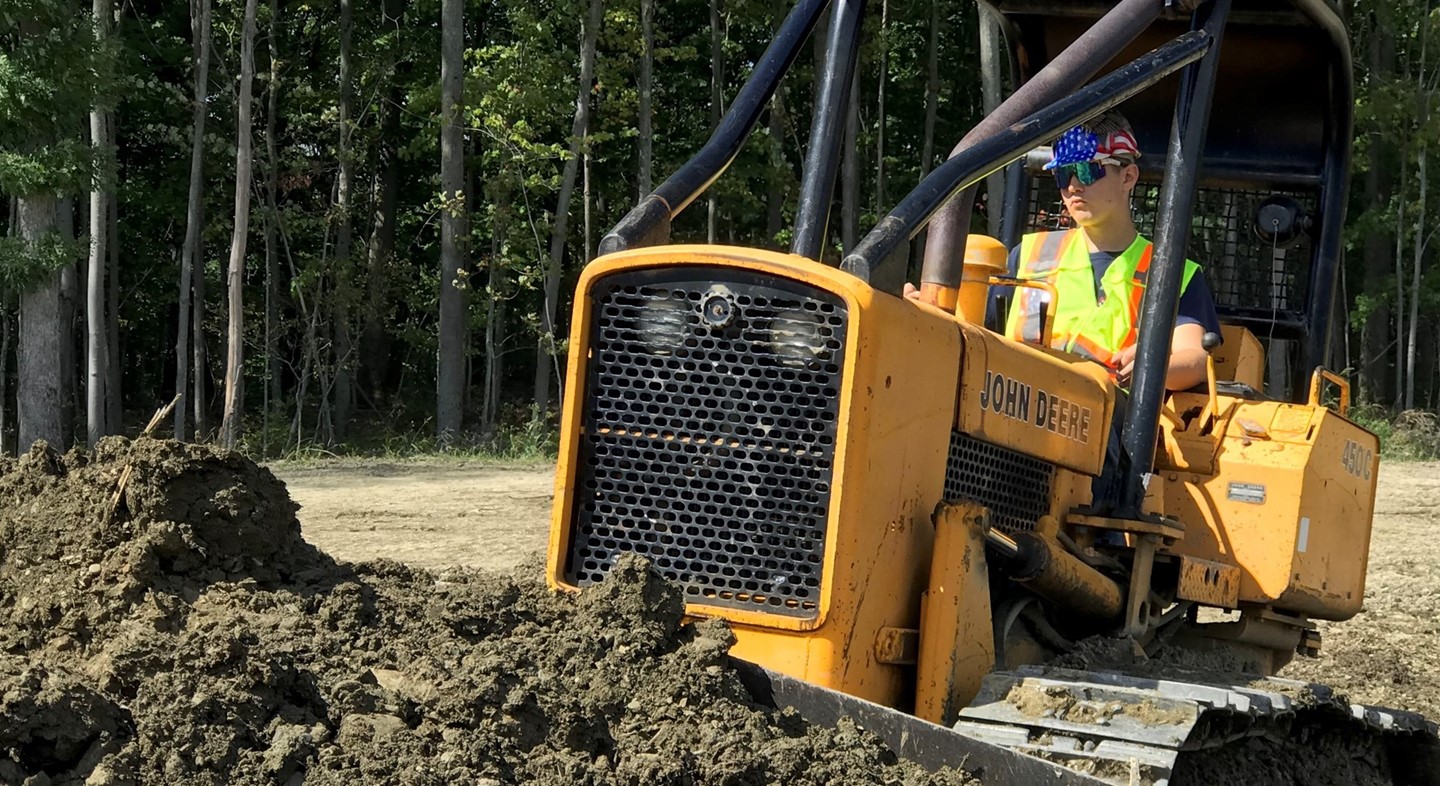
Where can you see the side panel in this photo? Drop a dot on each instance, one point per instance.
(1333, 540)
(1043, 404)
(1290, 504)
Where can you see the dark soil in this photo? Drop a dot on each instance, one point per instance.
(190, 636)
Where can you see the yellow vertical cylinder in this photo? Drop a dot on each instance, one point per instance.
(984, 257)
(957, 638)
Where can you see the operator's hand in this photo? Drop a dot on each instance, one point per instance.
(1124, 364)
(912, 292)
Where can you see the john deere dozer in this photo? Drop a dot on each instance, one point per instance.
(891, 503)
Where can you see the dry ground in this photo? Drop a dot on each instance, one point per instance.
(446, 513)
(431, 514)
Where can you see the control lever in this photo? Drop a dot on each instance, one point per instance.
(1211, 342)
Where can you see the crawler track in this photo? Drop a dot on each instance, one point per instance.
(1135, 730)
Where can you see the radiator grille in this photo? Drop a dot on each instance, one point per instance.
(709, 435)
(1015, 487)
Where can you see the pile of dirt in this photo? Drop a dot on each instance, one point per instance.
(187, 634)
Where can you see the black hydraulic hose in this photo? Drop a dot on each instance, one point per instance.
(945, 243)
(1002, 147)
(827, 130)
(648, 223)
(1167, 270)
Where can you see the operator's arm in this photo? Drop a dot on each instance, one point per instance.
(1196, 316)
(1187, 359)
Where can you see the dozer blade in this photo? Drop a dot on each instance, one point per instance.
(1131, 730)
(926, 744)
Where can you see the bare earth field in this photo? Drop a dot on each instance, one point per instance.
(449, 513)
(426, 514)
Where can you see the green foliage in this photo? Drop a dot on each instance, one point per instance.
(1413, 435)
(519, 437)
(23, 263)
(51, 73)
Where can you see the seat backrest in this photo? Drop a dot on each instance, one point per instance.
(1241, 358)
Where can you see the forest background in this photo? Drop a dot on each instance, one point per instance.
(338, 226)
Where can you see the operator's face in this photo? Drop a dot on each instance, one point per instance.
(1104, 200)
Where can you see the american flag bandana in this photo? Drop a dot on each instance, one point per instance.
(1078, 146)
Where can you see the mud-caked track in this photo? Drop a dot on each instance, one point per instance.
(189, 635)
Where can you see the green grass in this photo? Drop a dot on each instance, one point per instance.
(518, 440)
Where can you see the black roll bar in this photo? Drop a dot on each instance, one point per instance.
(1072, 68)
(986, 155)
(648, 223)
(827, 131)
(1167, 270)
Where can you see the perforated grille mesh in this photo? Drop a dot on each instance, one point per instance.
(1015, 487)
(1248, 277)
(709, 435)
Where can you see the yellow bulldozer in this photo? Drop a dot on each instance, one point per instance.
(890, 502)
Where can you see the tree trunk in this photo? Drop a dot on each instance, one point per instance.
(544, 354)
(190, 254)
(932, 109)
(880, 201)
(1420, 224)
(1379, 186)
(1414, 322)
(6, 341)
(69, 308)
(344, 395)
(97, 345)
(235, 340)
(1400, 284)
(717, 101)
(114, 391)
(779, 170)
(450, 384)
(200, 356)
(375, 358)
(494, 332)
(272, 213)
(647, 81)
(587, 253)
(850, 172)
(38, 369)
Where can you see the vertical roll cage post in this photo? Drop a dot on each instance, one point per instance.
(817, 185)
(1162, 292)
(1334, 193)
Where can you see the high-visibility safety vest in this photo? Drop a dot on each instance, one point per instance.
(1087, 326)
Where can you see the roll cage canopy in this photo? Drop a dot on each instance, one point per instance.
(1246, 166)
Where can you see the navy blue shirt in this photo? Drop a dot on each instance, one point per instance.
(1197, 305)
